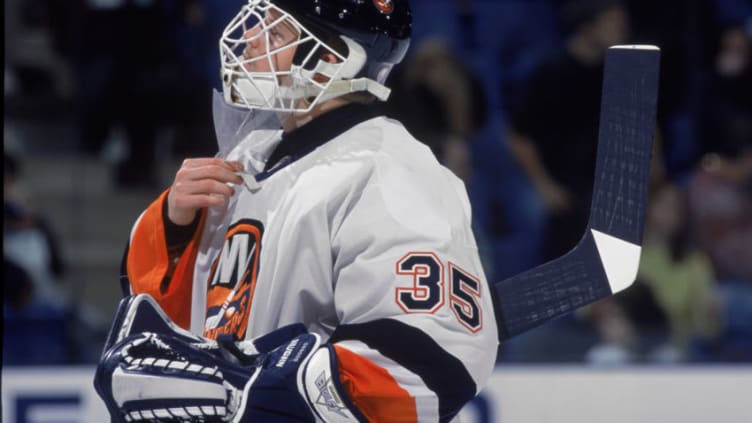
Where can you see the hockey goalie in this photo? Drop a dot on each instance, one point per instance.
(322, 266)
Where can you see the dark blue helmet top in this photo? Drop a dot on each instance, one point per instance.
(382, 27)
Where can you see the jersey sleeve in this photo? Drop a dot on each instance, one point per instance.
(417, 336)
(161, 265)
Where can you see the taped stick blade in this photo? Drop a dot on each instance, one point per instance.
(606, 259)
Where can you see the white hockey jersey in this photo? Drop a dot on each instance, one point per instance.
(357, 232)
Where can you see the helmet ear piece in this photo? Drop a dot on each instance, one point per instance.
(355, 59)
(347, 63)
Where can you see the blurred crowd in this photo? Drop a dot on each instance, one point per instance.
(507, 95)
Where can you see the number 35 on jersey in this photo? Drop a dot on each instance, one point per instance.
(425, 284)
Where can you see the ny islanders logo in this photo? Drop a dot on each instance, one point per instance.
(385, 6)
(232, 280)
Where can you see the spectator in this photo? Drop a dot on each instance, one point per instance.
(721, 211)
(33, 329)
(679, 275)
(42, 324)
(554, 128)
(721, 187)
(726, 118)
(121, 77)
(34, 307)
(684, 48)
(32, 63)
(28, 240)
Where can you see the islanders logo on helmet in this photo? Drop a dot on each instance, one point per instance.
(384, 6)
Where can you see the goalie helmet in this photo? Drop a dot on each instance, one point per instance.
(367, 38)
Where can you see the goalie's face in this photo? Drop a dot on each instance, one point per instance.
(272, 62)
(268, 46)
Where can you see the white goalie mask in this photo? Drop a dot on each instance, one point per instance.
(271, 61)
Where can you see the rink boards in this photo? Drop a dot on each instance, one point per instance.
(528, 394)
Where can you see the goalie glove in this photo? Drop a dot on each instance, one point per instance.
(153, 370)
(158, 377)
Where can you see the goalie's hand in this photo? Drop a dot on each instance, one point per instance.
(199, 183)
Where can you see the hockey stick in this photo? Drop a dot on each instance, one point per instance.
(606, 259)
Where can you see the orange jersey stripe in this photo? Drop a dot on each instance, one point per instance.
(373, 390)
(148, 265)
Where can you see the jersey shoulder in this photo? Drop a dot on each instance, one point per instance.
(384, 146)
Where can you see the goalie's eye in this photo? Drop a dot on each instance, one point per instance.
(281, 31)
(276, 34)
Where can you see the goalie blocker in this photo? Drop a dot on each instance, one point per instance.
(152, 370)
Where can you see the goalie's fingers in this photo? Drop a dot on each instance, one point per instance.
(222, 172)
(196, 201)
(202, 186)
(211, 161)
(182, 208)
(200, 183)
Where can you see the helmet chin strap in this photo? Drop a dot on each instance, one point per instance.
(343, 87)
